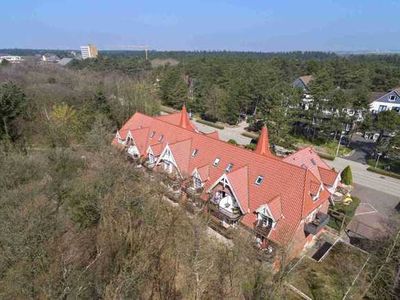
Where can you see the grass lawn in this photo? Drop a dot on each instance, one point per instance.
(386, 164)
(347, 210)
(330, 278)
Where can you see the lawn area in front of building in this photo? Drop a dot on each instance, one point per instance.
(332, 276)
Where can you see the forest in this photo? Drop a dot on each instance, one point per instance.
(232, 86)
(80, 221)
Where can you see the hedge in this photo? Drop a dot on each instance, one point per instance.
(211, 124)
(250, 135)
(167, 109)
(383, 172)
(326, 156)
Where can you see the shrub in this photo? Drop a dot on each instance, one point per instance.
(251, 146)
(250, 135)
(232, 141)
(211, 124)
(347, 176)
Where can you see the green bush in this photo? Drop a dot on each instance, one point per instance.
(251, 146)
(347, 176)
(211, 124)
(232, 141)
(383, 172)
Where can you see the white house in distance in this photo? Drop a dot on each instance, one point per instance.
(388, 101)
(14, 59)
(303, 83)
(89, 51)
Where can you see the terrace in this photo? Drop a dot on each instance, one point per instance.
(317, 224)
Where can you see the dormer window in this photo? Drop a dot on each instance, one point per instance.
(216, 162)
(160, 138)
(229, 168)
(194, 153)
(315, 197)
(259, 180)
(152, 134)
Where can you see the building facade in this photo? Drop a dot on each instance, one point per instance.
(388, 101)
(89, 51)
(282, 203)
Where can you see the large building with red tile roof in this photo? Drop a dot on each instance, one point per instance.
(283, 202)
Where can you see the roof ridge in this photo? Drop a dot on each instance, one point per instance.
(201, 134)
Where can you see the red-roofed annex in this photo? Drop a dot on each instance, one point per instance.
(282, 202)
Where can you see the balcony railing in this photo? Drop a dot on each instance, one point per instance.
(222, 213)
(261, 229)
(317, 224)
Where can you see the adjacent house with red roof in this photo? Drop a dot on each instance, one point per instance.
(282, 202)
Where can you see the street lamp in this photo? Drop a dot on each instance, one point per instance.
(338, 146)
(377, 160)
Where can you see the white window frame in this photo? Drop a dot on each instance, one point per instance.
(259, 180)
(216, 162)
(229, 167)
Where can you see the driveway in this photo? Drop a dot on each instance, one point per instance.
(362, 149)
(372, 218)
(376, 200)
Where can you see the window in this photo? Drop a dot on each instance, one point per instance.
(197, 182)
(194, 153)
(382, 108)
(229, 167)
(392, 98)
(152, 134)
(216, 162)
(313, 162)
(259, 180)
(267, 221)
(160, 138)
(396, 108)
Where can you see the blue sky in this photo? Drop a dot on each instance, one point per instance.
(249, 25)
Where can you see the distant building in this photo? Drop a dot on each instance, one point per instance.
(385, 101)
(303, 83)
(12, 59)
(65, 61)
(89, 51)
(50, 58)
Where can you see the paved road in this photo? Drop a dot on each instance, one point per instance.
(227, 133)
(366, 178)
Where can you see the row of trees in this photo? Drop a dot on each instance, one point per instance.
(226, 86)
